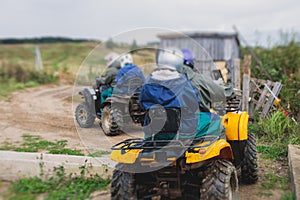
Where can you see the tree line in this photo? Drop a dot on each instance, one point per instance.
(40, 40)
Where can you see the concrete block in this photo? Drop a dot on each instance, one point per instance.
(14, 165)
(294, 164)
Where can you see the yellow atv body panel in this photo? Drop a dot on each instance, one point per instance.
(198, 154)
(127, 156)
(236, 125)
(207, 152)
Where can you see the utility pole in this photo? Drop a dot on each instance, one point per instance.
(38, 60)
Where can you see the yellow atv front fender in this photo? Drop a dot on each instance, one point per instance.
(220, 148)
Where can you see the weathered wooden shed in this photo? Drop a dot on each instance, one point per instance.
(220, 46)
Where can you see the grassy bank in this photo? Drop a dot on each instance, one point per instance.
(60, 60)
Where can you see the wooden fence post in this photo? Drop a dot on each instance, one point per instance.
(246, 83)
(237, 74)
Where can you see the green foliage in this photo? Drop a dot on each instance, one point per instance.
(290, 94)
(15, 77)
(15, 71)
(34, 143)
(17, 64)
(282, 63)
(288, 196)
(60, 185)
(279, 61)
(133, 46)
(99, 153)
(271, 181)
(110, 44)
(275, 133)
(31, 138)
(66, 151)
(277, 129)
(40, 40)
(272, 152)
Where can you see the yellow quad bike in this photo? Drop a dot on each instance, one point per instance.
(205, 168)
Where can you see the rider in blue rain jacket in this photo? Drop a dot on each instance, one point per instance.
(167, 88)
(128, 72)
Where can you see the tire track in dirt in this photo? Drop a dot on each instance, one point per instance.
(43, 111)
(47, 111)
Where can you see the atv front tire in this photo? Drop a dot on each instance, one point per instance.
(84, 116)
(108, 123)
(220, 181)
(249, 168)
(123, 186)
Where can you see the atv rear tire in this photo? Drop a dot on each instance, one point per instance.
(123, 186)
(108, 124)
(220, 181)
(84, 116)
(249, 169)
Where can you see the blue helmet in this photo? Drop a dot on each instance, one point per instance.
(188, 58)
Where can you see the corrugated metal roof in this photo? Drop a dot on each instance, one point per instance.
(198, 34)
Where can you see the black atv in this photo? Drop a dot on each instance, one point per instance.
(114, 113)
(85, 112)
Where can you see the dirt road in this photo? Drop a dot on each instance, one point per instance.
(47, 111)
(43, 111)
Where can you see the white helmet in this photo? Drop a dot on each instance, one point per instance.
(126, 59)
(170, 58)
(112, 59)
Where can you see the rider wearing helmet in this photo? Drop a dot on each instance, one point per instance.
(188, 59)
(106, 82)
(209, 92)
(130, 77)
(112, 66)
(166, 88)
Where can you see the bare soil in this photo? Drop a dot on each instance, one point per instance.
(47, 111)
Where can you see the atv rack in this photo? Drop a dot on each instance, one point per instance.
(189, 144)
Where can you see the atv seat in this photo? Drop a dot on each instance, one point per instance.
(162, 121)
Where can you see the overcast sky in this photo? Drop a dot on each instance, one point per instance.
(101, 19)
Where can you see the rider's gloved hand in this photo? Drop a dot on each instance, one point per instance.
(98, 81)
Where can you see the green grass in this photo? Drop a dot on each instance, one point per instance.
(277, 129)
(35, 143)
(272, 152)
(274, 182)
(274, 133)
(288, 196)
(99, 153)
(11, 85)
(66, 151)
(59, 185)
(17, 64)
